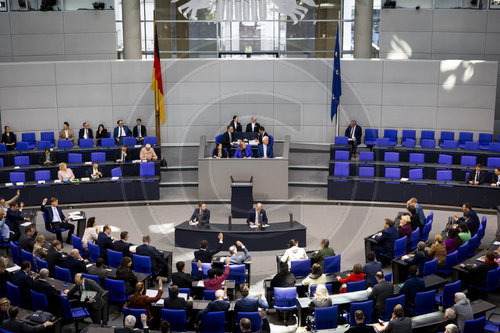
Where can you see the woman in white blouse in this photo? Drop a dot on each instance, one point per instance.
(64, 172)
(91, 232)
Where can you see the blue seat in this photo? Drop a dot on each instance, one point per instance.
(92, 277)
(366, 156)
(3, 148)
(116, 290)
(285, 298)
(114, 258)
(366, 172)
(43, 144)
(147, 169)
(480, 232)
(382, 142)
(464, 137)
(204, 267)
(427, 135)
(41, 264)
(417, 158)
(107, 142)
(474, 325)
(393, 173)
(116, 172)
(213, 322)
(471, 145)
(391, 157)
(1, 163)
(98, 157)
(30, 139)
(410, 143)
(493, 162)
(342, 155)
(182, 291)
(447, 136)
(414, 239)
(209, 295)
(424, 302)
(74, 158)
(152, 140)
(494, 146)
(129, 141)
(447, 297)
(484, 220)
(300, 267)
(39, 301)
(492, 281)
(255, 319)
(445, 159)
(176, 319)
(42, 175)
(355, 286)
(468, 160)
(48, 136)
(17, 177)
(14, 294)
(77, 244)
(448, 144)
(341, 169)
(70, 313)
(428, 143)
(332, 264)
(218, 138)
(325, 318)
(22, 146)
(484, 140)
(28, 256)
(463, 250)
(15, 253)
(450, 261)
(392, 135)
(341, 140)
(371, 135)
(430, 267)
(408, 134)
(444, 175)
(94, 251)
(142, 264)
(312, 289)
(137, 314)
(237, 273)
(21, 160)
(416, 174)
(63, 274)
(86, 143)
(390, 303)
(64, 144)
(474, 243)
(366, 307)
(400, 247)
(48, 226)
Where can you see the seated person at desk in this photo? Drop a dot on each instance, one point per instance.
(121, 155)
(470, 223)
(228, 139)
(94, 172)
(357, 275)
(66, 133)
(4, 228)
(148, 154)
(414, 219)
(463, 232)
(174, 302)
(470, 218)
(27, 240)
(380, 293)
(249, 303)
(265, 150)
(102, 133)
(316, 277)
(257, 216)
(124, 273)
(253, 126)
(123, 245)
(413, 285)
(64, 172)
(14, 324)
(139, 131)
(385, 240)
(463, 310)
(235, 259)
(90, 233)
(495, 178)
(360, 327)
(262, 134)
(477, 177)
(219, 304)
(413, 202)
(99, 269)
(453, 241)
(129, 324)
(9, 139)
(219, 151)
(399, 323)
(215, 282)
(120, 132)
(405, 228)
(438, 250)
(243, 151)
(157, 260)
(14, 218)
(449, 318)
(140, 301)
(284, 278)
(371, 268)
(236, 125)
(55, 257)
(39, 249)
(354, 133)
(201, 215)
(480, 270)
(321, 298)
(24, 281)
(43, 286)
(184, 280)
(85, 132)
(325, 252)
(105, 241)
(246, 324)
(451, 328)
(294, 252)
(203, 254)
(420, 257)
(75, 263)
(93, 304)
(47, 157)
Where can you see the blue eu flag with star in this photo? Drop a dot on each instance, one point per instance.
(336, 83)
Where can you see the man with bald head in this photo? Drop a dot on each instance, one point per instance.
(92, 296)
(219, 304)
(75, 263)
(42, 285)
(253, 126)
(257, 216)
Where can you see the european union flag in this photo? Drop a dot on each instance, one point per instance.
(336, 82)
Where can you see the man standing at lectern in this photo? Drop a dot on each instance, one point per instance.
(257, 216)
(201, 215)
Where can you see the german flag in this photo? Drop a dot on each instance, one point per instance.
(157, 84)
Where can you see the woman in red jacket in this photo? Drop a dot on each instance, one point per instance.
(357, 275)
(140, 301)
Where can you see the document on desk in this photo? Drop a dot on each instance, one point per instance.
(254, 226)
(12, 269)
(132, 248)
(161, 302)
(25, 224)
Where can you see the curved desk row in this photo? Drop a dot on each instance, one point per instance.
(427, 191)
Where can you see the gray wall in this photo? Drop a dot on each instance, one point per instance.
(289, 96)
(58, 35)
(442, 34)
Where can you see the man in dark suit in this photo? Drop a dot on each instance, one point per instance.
(469, 217)
(56, 218)
(399, 323)
(41, 285)
(174, 302)
(262, 134)
(202, 212)
(123, 245)
(93, 304)
(248, 303)
(477, 177)
(13, 324)
(25, 283)
(495, 178)
(47, 157)
(257, 216)
(129, 324)
(385, 241)
(228, 139)
(203, 254)
(105, 241)
(413, 285)
(380, 292)
(139, 131)
(85, 132)
(94, 172)
(253, 126)
(236, 125)
(219, 304)
(27, 242)
(246, 324)
(184, 280)
(353, 133)
(361, 327)
(158, 262)
(265, 150)
(54, 257)
(14, 218)
(75, 263)
(120, 132)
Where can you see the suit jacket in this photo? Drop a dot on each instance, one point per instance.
(248, 152)
(118, 155)
(380, 292)
(411, 287)
(177, 303)
(494, 178)
(25, 283)
(262, 135)
(370, 269)
(238, 260)
(125, 128)
(206, 255)
(90, 285)
(481, 178)
(54, 258)
(71, 135)
(135, 131)
(53, 296)
(150, 251)
(216, 282)
(357, 133)
(237, 128)
(361, 328)
(75, 266)
(13, 219)
(205, 219)
(184, 280)
(224, 153)
(42, 158)
(255, 128)
(82, 132)
(251, 216)
(386, 241)
(144, 301)
(214, 306)
(122, 247)
(18, 326)
(399, 325)
(283, 279)
(26, 243)
(127, 276)
(104, 242)
(47, 209)
(90, 170)
(250, 304)
(260, 151)
(226, 141)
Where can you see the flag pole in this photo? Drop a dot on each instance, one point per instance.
(339, 26)
(157, 104)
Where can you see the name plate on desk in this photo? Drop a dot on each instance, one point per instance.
(115, 178)
(88, 163)
(41, 182)
(20, 183)
(16, 167)
(85, 179)
(137, 146)
(136, 161)
(57, 181)
(9, 184)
